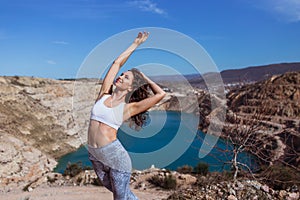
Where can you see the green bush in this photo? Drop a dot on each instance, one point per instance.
(79, 179)
(74, 169)
(185, 169)
(97, 182)
(51, 180)
(170, 182)
(201, 168)
(167, 182)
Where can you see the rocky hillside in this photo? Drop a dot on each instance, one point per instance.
(38, 124)
(273, 108)
(38, 112)
(278, 97)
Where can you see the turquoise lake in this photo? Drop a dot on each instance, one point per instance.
(169, 140)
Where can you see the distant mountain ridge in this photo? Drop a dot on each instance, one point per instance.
(258, 73)
(248, 74)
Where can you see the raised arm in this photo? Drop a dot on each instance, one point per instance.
(119, 62)
(141, 106)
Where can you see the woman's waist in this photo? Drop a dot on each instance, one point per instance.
(100, 134)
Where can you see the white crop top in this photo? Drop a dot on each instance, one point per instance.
(110, 116)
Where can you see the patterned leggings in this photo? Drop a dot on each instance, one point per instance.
(112, 165)
(115, 181)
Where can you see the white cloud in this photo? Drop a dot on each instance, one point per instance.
(285, 10)
(289, 9)
(148, 5)
(51, 62)
(60, 42)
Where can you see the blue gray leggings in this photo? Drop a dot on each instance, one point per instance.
(115, 181)
(112, 165)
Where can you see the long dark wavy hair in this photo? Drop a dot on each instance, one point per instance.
(140, 91)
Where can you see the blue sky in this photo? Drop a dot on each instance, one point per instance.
(51, 38)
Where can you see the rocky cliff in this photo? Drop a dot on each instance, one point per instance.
(278, 97)
(38, 112)
(37, 125)
(275, 103)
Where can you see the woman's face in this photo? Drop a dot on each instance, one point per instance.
(124, 81)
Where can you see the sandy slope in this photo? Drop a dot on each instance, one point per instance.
(77, 193)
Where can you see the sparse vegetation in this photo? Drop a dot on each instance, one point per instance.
(79, 180)
(214, 178)
(51, 180)
(167, 182)
(97, 182)
(185, 169)
(281, 177)
(201, 168)
(74, 169)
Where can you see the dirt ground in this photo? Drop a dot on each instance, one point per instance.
(78, 193)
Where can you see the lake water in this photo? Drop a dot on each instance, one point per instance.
(169, 140)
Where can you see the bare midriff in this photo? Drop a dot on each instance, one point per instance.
(100, 134)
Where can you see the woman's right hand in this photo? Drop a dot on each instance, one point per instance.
(142, 37)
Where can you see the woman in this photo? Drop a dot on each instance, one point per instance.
(128, 102)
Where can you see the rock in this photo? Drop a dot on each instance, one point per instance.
(231, 197)
(22, 164)
(232, 191)
(265, 188)
(220, 194)
(239, 185)
(255, 184)
(294, 188)
(54, 175)
(142, 186)
(136, 172)
(293, 196)
(282, 194)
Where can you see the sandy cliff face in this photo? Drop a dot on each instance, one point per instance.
(21, 163)
(38, 112)
(38, 123)
(275, 103)
(278, 96)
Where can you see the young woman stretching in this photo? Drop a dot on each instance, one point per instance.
(128, 102)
